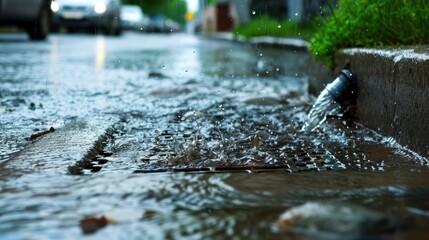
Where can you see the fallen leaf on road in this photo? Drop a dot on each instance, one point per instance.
(93, 224)
(149, 214)
(39, 134)
(337, 219)
(156, 75)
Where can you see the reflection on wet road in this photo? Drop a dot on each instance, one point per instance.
(168, 102)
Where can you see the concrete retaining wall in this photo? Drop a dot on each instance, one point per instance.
(393, 92)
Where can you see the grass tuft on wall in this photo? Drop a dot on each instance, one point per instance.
(371, 23)
(266, 26)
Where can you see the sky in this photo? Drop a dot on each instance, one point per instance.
(192, 5)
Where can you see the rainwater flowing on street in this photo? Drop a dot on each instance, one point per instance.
(180, 136)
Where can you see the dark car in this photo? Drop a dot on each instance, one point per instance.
(100, 15)
(32, 15)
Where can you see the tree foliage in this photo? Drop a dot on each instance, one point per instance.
(174, 9)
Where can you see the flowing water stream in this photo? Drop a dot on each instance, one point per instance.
(323, 107)
(207, 144)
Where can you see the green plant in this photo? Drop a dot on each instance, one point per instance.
(371, 23)
(174, 9)
(266, 26)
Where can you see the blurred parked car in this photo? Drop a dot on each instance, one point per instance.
(162, 24)
(133, 18)
(33, 15)
(101, 15)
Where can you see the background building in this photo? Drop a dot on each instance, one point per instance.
(224, 15)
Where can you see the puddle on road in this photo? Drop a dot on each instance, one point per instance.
(212, 105)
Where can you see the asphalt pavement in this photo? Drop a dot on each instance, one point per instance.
(173, 136)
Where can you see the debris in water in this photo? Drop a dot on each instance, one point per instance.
(149, 214)
(156, 75)
(93, 224)
(255, 141)
(39, 134)
(32, 106)
(336, 219)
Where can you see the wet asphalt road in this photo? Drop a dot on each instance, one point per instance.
(82, 76)
(142, 102)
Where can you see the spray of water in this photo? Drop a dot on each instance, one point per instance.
(324, 106)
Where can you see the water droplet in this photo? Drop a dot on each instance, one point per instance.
(163, 66)
(279, 26)
(253, 12)
(186, 70)
(277, 69)
(261, 54)
(296, 14)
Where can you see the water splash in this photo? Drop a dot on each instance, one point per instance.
(324, 106)
(334, 100)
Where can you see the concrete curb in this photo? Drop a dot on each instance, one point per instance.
(393, 93)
